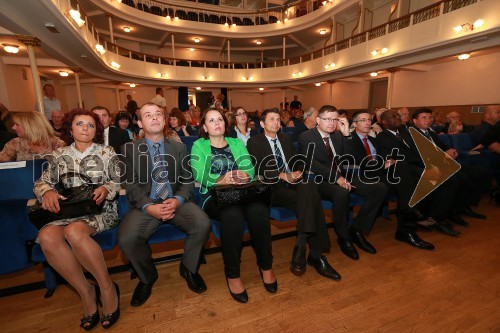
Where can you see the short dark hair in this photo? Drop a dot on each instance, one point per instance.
(123, 115)
(203, 133)
(177, 113)
(326, 108)
(268, 111)
(357, 113)
(419, 112)
(98, 107)
(66, 135)
(158, 90)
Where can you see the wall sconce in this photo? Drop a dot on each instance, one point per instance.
(191, 49)
(99, 48)
(464, 56)
(469, 27)
(160, 75)
(373, 74)
(196, 40)
(227, 25)
(258, 42)
(127, 29)
(383, 50)
(285, 20)
(10, 48)
(246, 78)
(198, 88)
(63, 73)
(323, 32)
(297, 74)
(317, 84)
(76, 16)
(205, 77)
(176, 18)
(114, 64)
(329, 66)
(261, 89)
(131, 85)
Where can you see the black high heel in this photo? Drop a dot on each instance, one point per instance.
(241, 297)
(270, 287)
(89, 322)
(112, 318)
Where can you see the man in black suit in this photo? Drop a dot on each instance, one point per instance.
(156, 199)
(277, 163)
(473, 182)
(323, 146)
(390, 170)
(113, 136)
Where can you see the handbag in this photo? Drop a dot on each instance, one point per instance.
(226, 195)
(78, 202)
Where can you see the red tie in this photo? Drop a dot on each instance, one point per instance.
(367, 149)
(329, 150)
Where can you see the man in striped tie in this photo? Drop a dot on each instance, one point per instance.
(159, 186)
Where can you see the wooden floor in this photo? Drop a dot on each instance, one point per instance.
(455, 288)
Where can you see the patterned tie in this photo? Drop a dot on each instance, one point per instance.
(160, 173)
(329, 150)
(278, 156)
(367, 149)
(428, 135)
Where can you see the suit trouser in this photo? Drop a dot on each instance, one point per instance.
(304, 199)
(137, 227)
(374, 195)
(232, 228)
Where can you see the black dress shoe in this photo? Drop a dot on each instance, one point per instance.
(347, 247)
(359, 239)
(142, 293)
(470, 213)
(194, 281)
(241, 297)
(456, 219)
(323, 268)
(270, 287)
(442, 227)
(413, 239)
(298, 263)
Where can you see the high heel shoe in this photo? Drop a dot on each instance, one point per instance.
(89, 322)
(112, 318)
(270, 287)
(241, 297)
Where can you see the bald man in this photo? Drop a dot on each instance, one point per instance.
(455, 116)
(490, 118)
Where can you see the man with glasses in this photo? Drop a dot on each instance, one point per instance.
(324, 148)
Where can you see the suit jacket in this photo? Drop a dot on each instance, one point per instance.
(356, 148)
(139, 166)
(261, 152)
(312, 146)
(117, 138)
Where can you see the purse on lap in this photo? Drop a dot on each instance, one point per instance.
(227, 195)
(79, 202)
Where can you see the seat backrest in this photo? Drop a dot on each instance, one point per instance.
(445, 138)
(188, 141)
(462, 142)
(18, 178)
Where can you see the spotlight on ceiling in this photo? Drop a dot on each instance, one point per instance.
(127, 29)
(10, 48)
(132, 85)
(261, 89)
(373, 74)
(317, 84)
(464, 56)
(63, 73)
(322, 32)
(198, 88)
(258, 42)
(196, 40)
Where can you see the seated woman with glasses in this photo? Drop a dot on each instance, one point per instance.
(220, 160)
(241, 130)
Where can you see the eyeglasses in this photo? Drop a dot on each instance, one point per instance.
(367, 120)
(241, 114)
(330, 120)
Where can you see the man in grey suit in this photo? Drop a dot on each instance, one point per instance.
(159, 185)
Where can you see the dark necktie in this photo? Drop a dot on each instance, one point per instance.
(367, 149)
(277, 154)
(160, 173)
(329, 150)
(428, 135)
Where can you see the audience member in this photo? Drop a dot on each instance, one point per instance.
(375, 127)
(217, 159)
(296, 104)
(490, 119)
(123, 120)
(67, 244)
(5, 119)
(196, 117)
(327, 143)
(241, 129)
(455, 116)
(218, 102)
(131, 106)
(404, 113)
(36, 138)
(113, 136)
(290, 190)
(159, 193)
(455, 127)
(309, 122)
(231, 121)
(159, 99)
(285, 119)
(50, 102)
(57, 121)
(177, 123)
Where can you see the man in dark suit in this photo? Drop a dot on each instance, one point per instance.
(390, 170)
(159, 186)
(113, 136)
(277, 163)
(323, 146)
(473, 182)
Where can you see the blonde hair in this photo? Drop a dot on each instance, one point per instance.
(453, 128)
(37, 129)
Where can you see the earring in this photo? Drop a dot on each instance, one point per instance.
(71, 133)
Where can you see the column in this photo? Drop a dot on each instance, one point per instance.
(330, 92)
(283, 95)
(173, 46)
(117, 91)
(30, 42)
(284, 48)
(361, 23)
(390, 87)
(229, 51)
(229, 107)
(110, 21)
(77, 72)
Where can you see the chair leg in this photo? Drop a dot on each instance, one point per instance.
(50, 279)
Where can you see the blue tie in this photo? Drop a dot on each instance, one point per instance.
(160, 174)
(278, 156)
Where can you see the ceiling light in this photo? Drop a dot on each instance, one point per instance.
(132, 85)
(258, 42)
(374, 53)
(114, 64)
(322, 32)
(297, 74)
(464, 56)
(261, 89)
(76, 16)
(127, 29)
(285, 20)
(10, 48)
(233, 25)
(226, 24)
(279, 21)
(99, 48)
(176, 18)
(478, 24)
(63, 73)
(198, 88)
(324, 3)
(330, 66)
(158, 74)
(168, 17)
(196, 40)
(191, 49)
(384, 50)
(458, 28)
(317, 84)
(373, 74)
